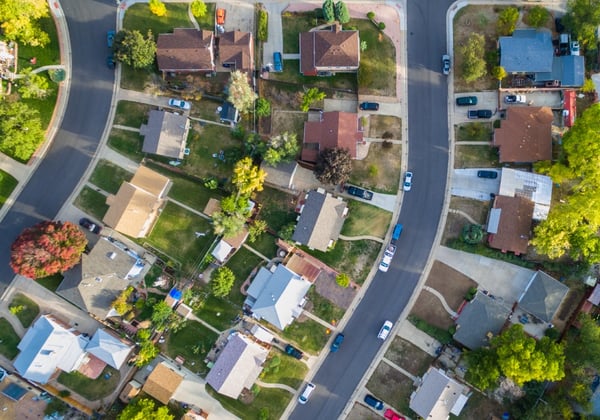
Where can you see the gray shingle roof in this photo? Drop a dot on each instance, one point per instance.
(543, 296)
(437, 396)
(165, 134)
(527, 51)
(481, 316)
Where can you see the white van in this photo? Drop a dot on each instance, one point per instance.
(306, 394)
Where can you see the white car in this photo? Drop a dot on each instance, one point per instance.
(303, 398)
(385, 330)
(408, 181)
(574, 48)
(388, 254)
(178, 103)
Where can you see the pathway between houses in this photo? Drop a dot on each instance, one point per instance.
(463, 214)
(399, 368)
(319, 320)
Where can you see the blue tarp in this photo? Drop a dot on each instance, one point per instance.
(14, 392)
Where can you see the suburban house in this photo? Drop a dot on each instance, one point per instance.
(276, 295)
(103, 274)
(438, 396)
(326, 130)
(290, 176)
(134, 209)
(227, 246)
(303, 263)
(531, 52)
(238, 365)
(109, 348)
(535, 187)
(329, 50)
(509, 224)
(186, 50)
(480, 320)
(162, 383)
(542, 298)
(525, 135)
(236, 51)
(321, 219)
(165, 134)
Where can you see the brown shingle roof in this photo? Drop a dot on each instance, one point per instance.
(525, 135)
(162, 383)
(333, 129)
(237, 47)
(329, 50)
(514, 224)
(186, 49)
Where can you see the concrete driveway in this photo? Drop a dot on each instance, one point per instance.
(239, 15)
(485, 100)
(465, 183)
(275, 40)
(342, 105)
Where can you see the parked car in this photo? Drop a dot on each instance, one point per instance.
(293, 351)
(408, 181)
(373, 402)
(487, 174)
(574, 48)
(220, 17)
(369, 106)
(392, 415)
(335, 346)
(89, 225)
(110, 38)
(446, 64)
(303, 398)
(277, 63)
(480, 113)
(397, 232)
(359, 192)
(385, 330)
(3, 374)
(178, 103)
(466, 100)
(388, 254)
(515, 99)
(110, 62)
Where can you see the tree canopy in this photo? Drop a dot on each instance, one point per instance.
(47, 248)
(474, 65)
(33, 85)
(20, 130)
(132, 48)
(537, 16)
(198, 8)
(311, 96)
(281, 148)
(507, 20)
(143, 409)
(582, 19)
(221, 281)
(333, 166)
(247, 177)
(157, 8)
(329, 10)
(20, 21)
(241, 94)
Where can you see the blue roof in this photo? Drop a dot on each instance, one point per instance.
(175, 294)
(527, 51)
(569, 69)
(14, 392)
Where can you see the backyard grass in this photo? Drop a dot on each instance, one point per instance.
(138, 16)
(91, 389)
(393, 387)
(475, 131)
(132, 114)
(277, 208)
(206, 143)
(323, 308)
(292, 122)
(265, 244)
(7, 184)
(51, 282)
(206, 109)
(380, 170)
(174, 234)
(92, 202)
(109, 176)
(193, 343)
(365, 219)
(8, 340)
(291, 372)
(271, 401)
(291, 74)
(127, 143)
(309, 335)
(218, 312)
(27, 310)
(475, 157)
(242, 263)
(383, 124)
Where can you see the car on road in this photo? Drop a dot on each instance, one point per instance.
(89, 225)
(110, 38)
(385, 330)
(388, 254)
(220, 16)
(110, 62)
(480, 113)
(277, 63)
(335, 346)
(515, 99)
(446, 64)
(178, 103)
(408, 181)
(369, 106)
(487, 174)
(373, 402)
(303, 398)
(392, 415)
(360, 192)
(293, 351)
(466, 100)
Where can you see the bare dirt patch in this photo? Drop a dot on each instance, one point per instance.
(360, 412)
(384, 124)
(380, 170)
(478, 210)
(391, 386)
(429, 308)
(481, 407)
(290, 121)
(282, 96)
(408, 356)
(452, 284)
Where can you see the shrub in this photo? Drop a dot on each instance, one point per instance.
(342, 280)
(537, 16)
(588, 86)
(371, 15)
(157, 8)
(64, 393)
(16, 309)
(387, 145)
(387, 135)
(381, 26)
(198, 8)
(373, 170)
(263, 26)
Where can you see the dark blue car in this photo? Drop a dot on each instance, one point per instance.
(339, 339)
(277, 63)
(373, 402)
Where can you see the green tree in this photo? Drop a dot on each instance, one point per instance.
(33, 85)
(121, 303)
(247, 177)
(341, 12)
(227, 224)
(588, 86)
(160, 314)
(311, 96)
(582, 19)
(507, 20)
(287, 231)
(144, 408)
(198, 8)
(281, 148)
(20, 21)
(474, 66)
(133, 49)
(221, 281)
(148, 351)
(256, 229)
(483, 370)
(241, 94)
(329, 11)
(263, 107)
(157, 8)
(537, 16)
(472, 234)
(333, 166)
(343, 280)
(20, 130)
(499, 73)
(262, 34)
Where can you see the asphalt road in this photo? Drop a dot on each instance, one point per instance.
(389, 292)
(81, 129)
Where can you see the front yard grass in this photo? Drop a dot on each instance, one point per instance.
(323, 308)
(92, 202)
(7, 184)
(174, 234)
(410, 357)
(291, 372)
(218, 312)
(127, 143)
(309, 335)
(242, 263)
(365, 219)
(109, 176)
(271, 401)
(206, 142)
(132, 114)
(51, 282)
(380, 170)
(193, 343)
(138, 16)
(475, 131)
(293, 24)
(91, 389)
(392, 387)
(26, 309)
(8, 340)
(382, 124)
(277, 208)
(467, 156)
(291, 74)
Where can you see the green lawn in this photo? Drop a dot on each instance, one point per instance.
(309, 335)
(174, 234)
(7, 184)
(242, 263)
(475, 131)
(293, 24)
(127, 143)
(467, 156)
(206, 142)
(109, 176)
(138, 17)
(291, 74)
(8, 340)
(92, 389)
(265, 244)
(218, 312)
(208, 20)
(92, 202)
(192, 342)
(206, 109)
(271, 401)
(51, 282)
(277, 208)
(291, 371)
(365, 219)
(324, 308)
(136, 79)
(29, 310)
(132, 114)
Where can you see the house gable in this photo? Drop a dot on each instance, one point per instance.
(165, 134)
(329, 50)
(236, 48)
(185, 50)
(328, 130)
(509, 224)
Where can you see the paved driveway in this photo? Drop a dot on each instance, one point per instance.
(465, 183)
(239, 15)
(485, 100)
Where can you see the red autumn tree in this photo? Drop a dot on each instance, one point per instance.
(47, 248)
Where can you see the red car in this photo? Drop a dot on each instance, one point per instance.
(220, 16)
(392, 415)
